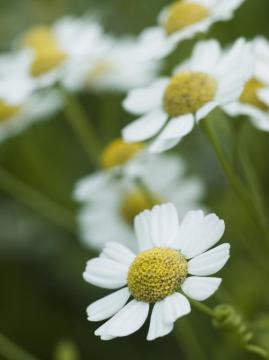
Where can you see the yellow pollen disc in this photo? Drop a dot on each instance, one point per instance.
(7, 111)
(249, 94)
(119, 153)
(135, 202)
(156, 274)
(47, 53)
(183, 14)
(187, 92)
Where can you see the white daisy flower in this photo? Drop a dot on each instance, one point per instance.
(120, 67)
(158, 274)
(254, 100)
(16, 118)
(209, 79)
(182, 20)
(54, 48)
(119, 200)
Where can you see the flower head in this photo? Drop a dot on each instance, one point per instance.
(119, 196)
(182, 20)
(254, 100)
(158, 274)
(209, 79)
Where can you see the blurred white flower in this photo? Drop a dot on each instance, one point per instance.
(38, 106)
(254, 100)
(120, 199)
(182, 20)
(119, 67)
(16, 83)
(168, 252)
(55, 48)
(211, 78)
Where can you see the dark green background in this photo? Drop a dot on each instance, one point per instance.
(43, 297)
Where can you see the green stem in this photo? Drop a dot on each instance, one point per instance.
(82, 127)
(203, 308)
(235, 182)
(146, 191)
(36, 201)
(257, 350)
(255, 190)
(11, 351)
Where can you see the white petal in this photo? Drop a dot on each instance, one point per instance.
(263, 95)
(174, 131)
(142, 230)
(108, 306)
(106, 273)
(210, 262)
(158, 326)
(144, 127)
(205, 110)
(129, 319)
(200, 288)
(164, 224)
(176, 306)
(144, 100)
(118, 252)
(205, 56)
(102, 331)
(198, 233)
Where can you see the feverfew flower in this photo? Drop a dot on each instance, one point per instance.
(54, 48)
(182, 20)
(20, 105)
(254, 100)
(120, 199)
(158, 274)
(209, 79)
(120, 67)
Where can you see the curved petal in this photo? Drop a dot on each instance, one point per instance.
(118, 253)
(108, 305)
(210, 262)
(174, 131)
(129, 319)
(144, 127)
(198, 233)
(176, 306)
(158, 326)
(164, 224)
(106, 273)
(142, 230)
(144, 100)
(205, 110)
(200, 288)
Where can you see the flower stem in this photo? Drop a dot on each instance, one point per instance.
(237, 185)
(36, 201)
(146, 190)
(82, 127)
(203, 308)
(11, 351)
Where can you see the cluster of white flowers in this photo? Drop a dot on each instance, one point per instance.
(169, 241)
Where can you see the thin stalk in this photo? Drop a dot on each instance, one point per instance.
(255, 190)
(235, 182)
(11, 351)
(257, 350)
(35, 200)
(203, 308)
(82, 127)
(146, 191)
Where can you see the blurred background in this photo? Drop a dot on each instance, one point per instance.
(43, 296)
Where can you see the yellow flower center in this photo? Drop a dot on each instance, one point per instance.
(119, 153)
(156, 274)
(135, 202)
(249, 94)
(183, 14)
(187, 92)
(7, 111)
(47, 53)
